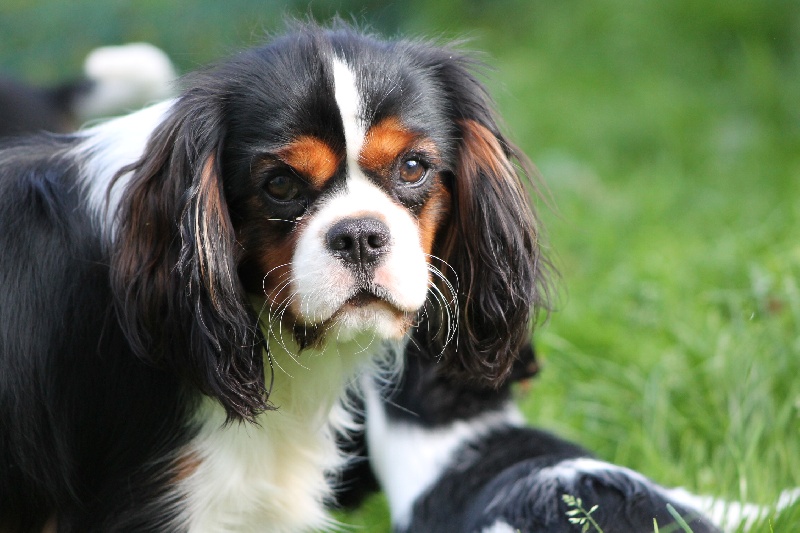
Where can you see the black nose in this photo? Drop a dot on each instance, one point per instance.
(359, 241)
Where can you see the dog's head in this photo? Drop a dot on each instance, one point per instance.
(351, 184)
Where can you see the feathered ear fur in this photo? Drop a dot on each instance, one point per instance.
(491, 243)
(174, 264)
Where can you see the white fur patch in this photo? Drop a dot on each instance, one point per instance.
(273, 476)
(108, 147)
(568, 470)
(408, 459)
(348, 100)
(500, 527)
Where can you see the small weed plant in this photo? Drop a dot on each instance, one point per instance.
(580, 516)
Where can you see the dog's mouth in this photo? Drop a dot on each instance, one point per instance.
(350, 305)
(366, 311)
(365, 297)
(373, 309)
(368, 295)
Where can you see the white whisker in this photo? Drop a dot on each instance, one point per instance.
(448, 307)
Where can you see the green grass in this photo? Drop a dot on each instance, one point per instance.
(668, 135)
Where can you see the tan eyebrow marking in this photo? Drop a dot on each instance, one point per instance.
(384, 143)
(312, 157)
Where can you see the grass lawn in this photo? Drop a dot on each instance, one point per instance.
(668, 137)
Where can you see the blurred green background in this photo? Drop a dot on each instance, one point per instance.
(668, 139)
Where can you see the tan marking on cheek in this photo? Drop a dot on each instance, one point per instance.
(311, 157)
(276, 265)
(433, 214)
(383, 144)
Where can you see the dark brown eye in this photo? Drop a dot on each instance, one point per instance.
(282, 188)
(413, 171)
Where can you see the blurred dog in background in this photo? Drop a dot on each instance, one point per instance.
(116, 79)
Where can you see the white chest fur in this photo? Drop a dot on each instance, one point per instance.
(271, 477)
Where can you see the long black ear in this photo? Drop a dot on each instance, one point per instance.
(174, 263)
(491, 244)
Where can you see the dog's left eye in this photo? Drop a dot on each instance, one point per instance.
(413, 171)
(283, 188)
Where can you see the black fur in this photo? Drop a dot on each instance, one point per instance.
(80, 416)
(434, 398)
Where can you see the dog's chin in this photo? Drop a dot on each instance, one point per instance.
(360, 314)
(370, 315)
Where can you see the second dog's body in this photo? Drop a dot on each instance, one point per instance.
(452, 457)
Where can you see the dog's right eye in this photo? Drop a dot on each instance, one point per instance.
(413, 171)
(282, 187)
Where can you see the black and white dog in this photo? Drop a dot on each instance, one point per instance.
(116, 79)
(455, 457)
(187, 289)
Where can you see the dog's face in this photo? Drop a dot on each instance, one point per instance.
(352, 184)
(342, 193)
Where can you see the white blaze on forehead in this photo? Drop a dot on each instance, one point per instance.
(348, 100)
(322, 283)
